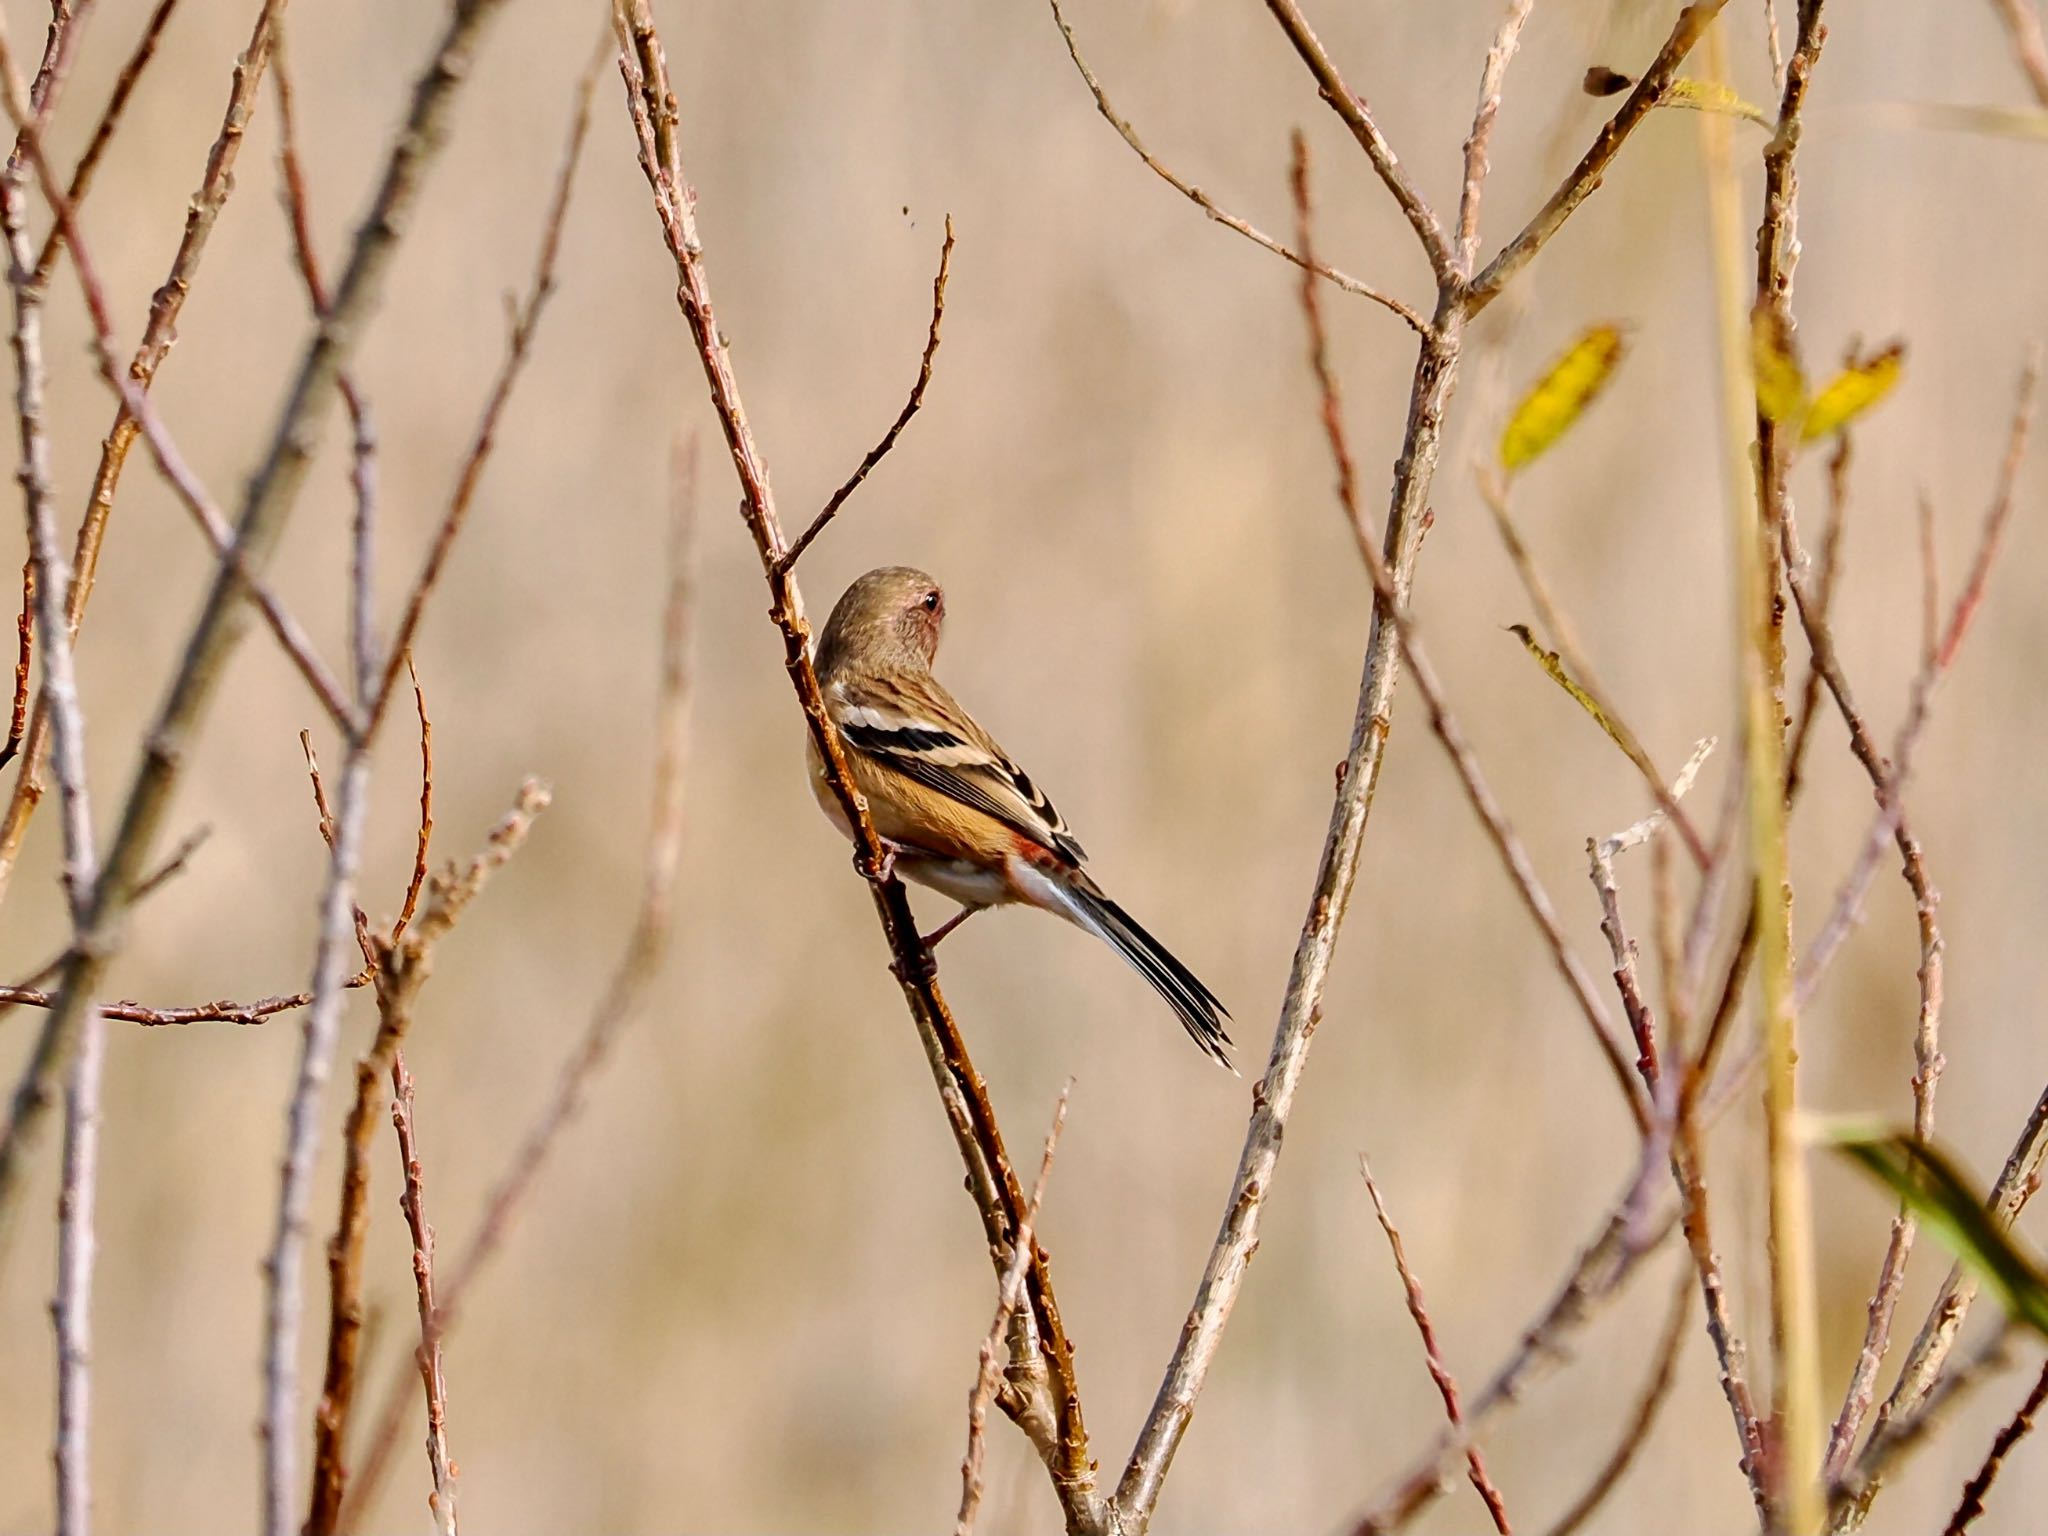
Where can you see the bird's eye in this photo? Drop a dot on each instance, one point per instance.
(931, 602)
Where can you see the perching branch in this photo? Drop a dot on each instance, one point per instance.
(652, 106)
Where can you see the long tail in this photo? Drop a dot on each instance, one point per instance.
(1201, 1012)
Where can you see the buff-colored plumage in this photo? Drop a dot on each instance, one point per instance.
(958, 814)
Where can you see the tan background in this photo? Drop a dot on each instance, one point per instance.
(748, 1296)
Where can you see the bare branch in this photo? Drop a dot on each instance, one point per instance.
(999, 1198)
(201, 213)
(1009, 1295)
(1505, 42)
(795, 552)
(1351, 109)
(1663, 1373)
(432, 1379)
(620, 1003)
(2010, 1435)
(266, 507)
(518, 344)
(1208, 205)
(1446, 1384)
(1587, 175)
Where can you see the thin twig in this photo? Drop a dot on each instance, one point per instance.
(432, 1379)
(1009, 1296)
(426, 832)
(25, 627)
(1663, 1373)
(201, 213)
(1521, 871)
(402, 969)
(621, 1001)
(1208, 205)
(1446, 1384)
(1353, 112)
(103, 131)
(284, 1298)
(2009, 1435)
(1592, 168)
(999, 1198)
(1883, 828)
(266, 508)
(525, 322)
(795, 552)
(1505, 42)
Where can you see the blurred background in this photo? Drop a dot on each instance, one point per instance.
(749, 1293)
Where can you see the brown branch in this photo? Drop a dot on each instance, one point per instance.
(1604, 1265)
(1208, 205)
(1592, 168)
(1663, 1373)
(25, 626)
(402, 970)
(103, 131)
(256, 1012)
(201, 213)
(518, 345)
(1848, 905)
(619, 1004)
(432, 1379)
(1009, 1296)
(1446, 1384)
(999, 1198)
(795, 552)
(1352, 110)
(2010, 1435)
(426, 834)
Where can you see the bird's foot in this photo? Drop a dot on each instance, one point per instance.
(931, 940)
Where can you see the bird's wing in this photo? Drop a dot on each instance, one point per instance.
(915, 727)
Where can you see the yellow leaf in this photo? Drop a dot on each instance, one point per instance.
(1549, 662)
(1711, 96)
(1558, 399)
(1780, 386)
(1853, 391)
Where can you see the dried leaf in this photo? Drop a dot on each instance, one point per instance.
(1780, 385)
(1602, 81)
(1853, 391)
(1561, 396)
(1711, 96)
(1549, 662)
(1930, 1184)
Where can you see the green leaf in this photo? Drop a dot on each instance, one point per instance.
(1935, 1191)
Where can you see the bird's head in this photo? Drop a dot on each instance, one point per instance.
(891, 615)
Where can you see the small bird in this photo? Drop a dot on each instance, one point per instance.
(954, 812)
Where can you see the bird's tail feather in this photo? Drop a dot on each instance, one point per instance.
(1201, 1012)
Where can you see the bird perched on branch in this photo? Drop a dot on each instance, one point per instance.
(954, 813)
